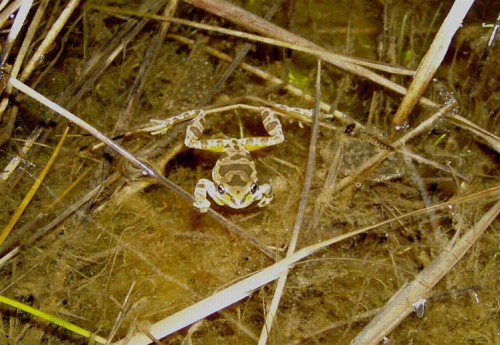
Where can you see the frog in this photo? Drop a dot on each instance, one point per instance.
(234, 181)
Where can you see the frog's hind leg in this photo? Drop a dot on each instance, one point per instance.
(194, 131)
(162, 126)
(271, 123)
(273, 127)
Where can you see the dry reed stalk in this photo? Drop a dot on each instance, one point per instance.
(432, 59)
(402, 303)
(9, 118)
(11, 38)
(317, 51)
(255, 23)
(29, 196)
(242, 289)
(39, 54)
(379, 157)
(491, 139)
(7, 11)
(17, 236)
(299, 218)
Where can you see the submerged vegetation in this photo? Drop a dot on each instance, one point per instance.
(383, 222)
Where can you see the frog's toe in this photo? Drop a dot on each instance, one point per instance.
(202, 206)
(264, 201)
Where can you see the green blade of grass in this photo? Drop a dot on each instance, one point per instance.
(52, 319)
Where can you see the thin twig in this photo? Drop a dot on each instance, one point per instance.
(60, 217)
(135, 92)
(306, 48)
(240, 56)
(121, 314)
(422, 188)
(98, 63)
(17, 235)
(334, 325)
(326, 194)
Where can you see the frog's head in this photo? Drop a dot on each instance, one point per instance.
(236, 183)
(235, 180)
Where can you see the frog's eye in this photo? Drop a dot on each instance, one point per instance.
(253, 188)
(221, 189)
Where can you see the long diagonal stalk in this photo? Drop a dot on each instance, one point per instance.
(401, 304)
(145, 167)
(247, 286)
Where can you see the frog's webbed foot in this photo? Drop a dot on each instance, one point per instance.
(158, 126)
(163, 126)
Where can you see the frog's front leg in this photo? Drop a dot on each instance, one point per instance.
(264, 194)
(203, 187)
